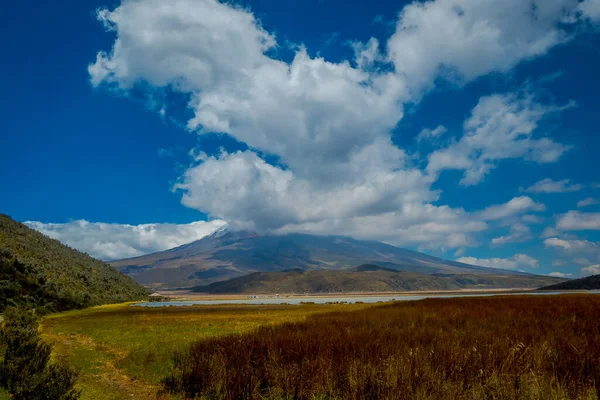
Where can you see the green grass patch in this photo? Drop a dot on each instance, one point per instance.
(124, 352)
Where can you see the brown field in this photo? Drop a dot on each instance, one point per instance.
(513, 347)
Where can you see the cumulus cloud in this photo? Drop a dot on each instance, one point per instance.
(460, 252)
(532, 219)
(444, 36)
(549, 186)
(515, 262)
(414, 224)
(581, 261)
(589, 9)
(385, 207)
(431, 134)
(500, 127)
(572, 244)
(578, 221)
(550, 231)
(516, 206)
(329, 123)
(590, 201)
(560, 274)
(581, 252)
(115, 241)
(242, 184)
(518, 233)
(591, 270)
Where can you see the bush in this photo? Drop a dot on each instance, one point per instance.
(25, 371)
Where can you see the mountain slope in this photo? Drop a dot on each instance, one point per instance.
(36, 271)
(229, 254)
(366, 278)
(587, 283)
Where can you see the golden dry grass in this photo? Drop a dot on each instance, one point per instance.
(510, 347)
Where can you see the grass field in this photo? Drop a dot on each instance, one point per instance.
(511, 347)
(526, 347)
(123, 352)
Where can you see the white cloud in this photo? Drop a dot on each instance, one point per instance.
(500, 127)
(367, 54)
(581, 252)
(590, 9)
(309, 112)
(560, 274)
(460, 252)
(469, 38)
(514, 262)
(550, 231)
(571, 245)
(518, 233)
(577, 221)
(516, 206)
(330, 123)
(590, 201)
(275, 197)
(581, 261)
(549, 186)
(532, 219)
(591, 270)
(115, 241)
(431, 134)
(424, 225)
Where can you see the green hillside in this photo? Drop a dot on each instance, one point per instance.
(40, 272)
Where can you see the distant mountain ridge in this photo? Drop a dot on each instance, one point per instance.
(229, 254)
(365, 278)
(587, 283)
(39, 272)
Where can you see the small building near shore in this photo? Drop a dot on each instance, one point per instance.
(157, 297)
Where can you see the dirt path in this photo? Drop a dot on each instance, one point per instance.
(100, 378)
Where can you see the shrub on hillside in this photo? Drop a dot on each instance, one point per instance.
(25, 370)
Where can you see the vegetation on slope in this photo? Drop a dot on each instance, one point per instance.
(526, 347)
(367, 278)
(587, 283)
(39, 272)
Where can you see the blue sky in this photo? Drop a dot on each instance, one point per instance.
(459, 128)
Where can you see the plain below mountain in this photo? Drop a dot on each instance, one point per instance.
(366, 278)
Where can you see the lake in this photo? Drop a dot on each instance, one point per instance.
(333, 299)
